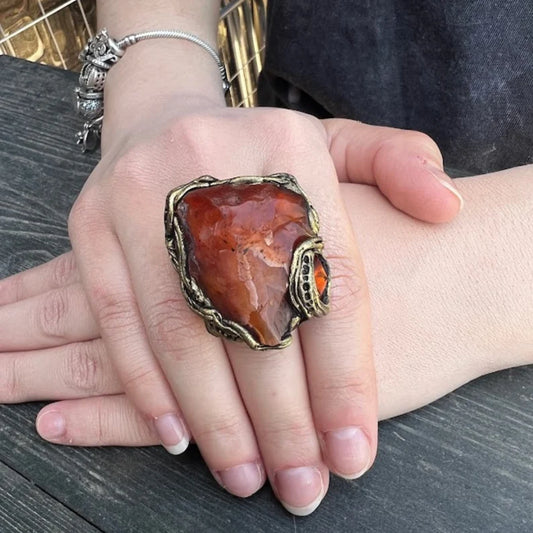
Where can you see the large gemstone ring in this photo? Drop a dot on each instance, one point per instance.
(248, 255)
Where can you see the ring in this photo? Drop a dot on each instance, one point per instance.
(248, 255)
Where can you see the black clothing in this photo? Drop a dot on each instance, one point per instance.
(459, 70)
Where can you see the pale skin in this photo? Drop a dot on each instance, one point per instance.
(428, 337)
(286, 415)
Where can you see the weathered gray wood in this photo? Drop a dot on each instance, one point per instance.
(462, 464)
(24, 508)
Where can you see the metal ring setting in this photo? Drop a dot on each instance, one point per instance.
(249, 256)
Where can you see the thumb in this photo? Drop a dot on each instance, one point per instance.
(405, 165)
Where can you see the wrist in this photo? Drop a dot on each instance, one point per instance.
(159, 77)
(498, 246)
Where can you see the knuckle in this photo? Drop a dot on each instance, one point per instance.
(227, 429)
(295, 429)
(80, 209)
(15, 287)
(9, 381)
(141, 378)
(64, 268)
(418, 138)
(305, 135)
(82, 368)
(85, 215)
(117, 312)
(51, 313)
(349, 289)
(77, 212)
(167, 321)
(195, 134)
(101, 422)
(290, 128)
(407, 140)
(283, 119)
(195, 127)
(346, 390)
(118, 422)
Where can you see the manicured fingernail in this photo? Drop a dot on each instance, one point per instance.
(51, 425)
(349, 451)
(172, 434)
(300, 490)
(242, 480)
(444, 180)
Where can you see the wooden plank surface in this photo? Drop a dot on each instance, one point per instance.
(24, 508)
(462, 464)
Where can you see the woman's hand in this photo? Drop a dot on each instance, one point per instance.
(259, 411)
(292, 414)
(428, 338)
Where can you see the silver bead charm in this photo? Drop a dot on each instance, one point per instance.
(98, 56)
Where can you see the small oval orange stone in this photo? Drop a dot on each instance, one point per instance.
(321, 277)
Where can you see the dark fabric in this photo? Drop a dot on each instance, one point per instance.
(459, 70)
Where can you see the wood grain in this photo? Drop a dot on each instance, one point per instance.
(462, 464)
(25, 507)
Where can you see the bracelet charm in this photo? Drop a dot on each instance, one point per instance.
(98, 56)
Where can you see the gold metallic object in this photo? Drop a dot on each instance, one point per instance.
(46, 31)
(54, 32)
(304, 296)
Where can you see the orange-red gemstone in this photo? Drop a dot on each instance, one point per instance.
(321, 277)
(239, 240)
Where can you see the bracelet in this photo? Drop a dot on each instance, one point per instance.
(98, 56)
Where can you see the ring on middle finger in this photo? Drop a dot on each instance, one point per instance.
(249, 256)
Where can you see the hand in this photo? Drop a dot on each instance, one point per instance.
(109, 192)
(407, 357)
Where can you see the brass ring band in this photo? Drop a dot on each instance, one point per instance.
(249, 256)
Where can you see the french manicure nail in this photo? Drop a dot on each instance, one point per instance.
(300, 489)
(444, 180)
(242, 480)
(172, 433)
(348, 451)
(51, 425)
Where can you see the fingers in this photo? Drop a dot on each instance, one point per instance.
(53, 318)
(100, 421)
(340, 371)
(405, 165)
(338, 351)
(107, 282)
(197, 367)
(75, 370)
(337, 348)
(274, 389)
(194, 363)
(57, 273)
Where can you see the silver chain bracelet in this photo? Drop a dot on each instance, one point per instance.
(98, 56)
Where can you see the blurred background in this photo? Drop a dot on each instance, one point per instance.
(54, 31)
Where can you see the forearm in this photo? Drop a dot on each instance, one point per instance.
(161, 73)
(450, 302)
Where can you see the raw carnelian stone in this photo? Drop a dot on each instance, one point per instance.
(239, 240)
